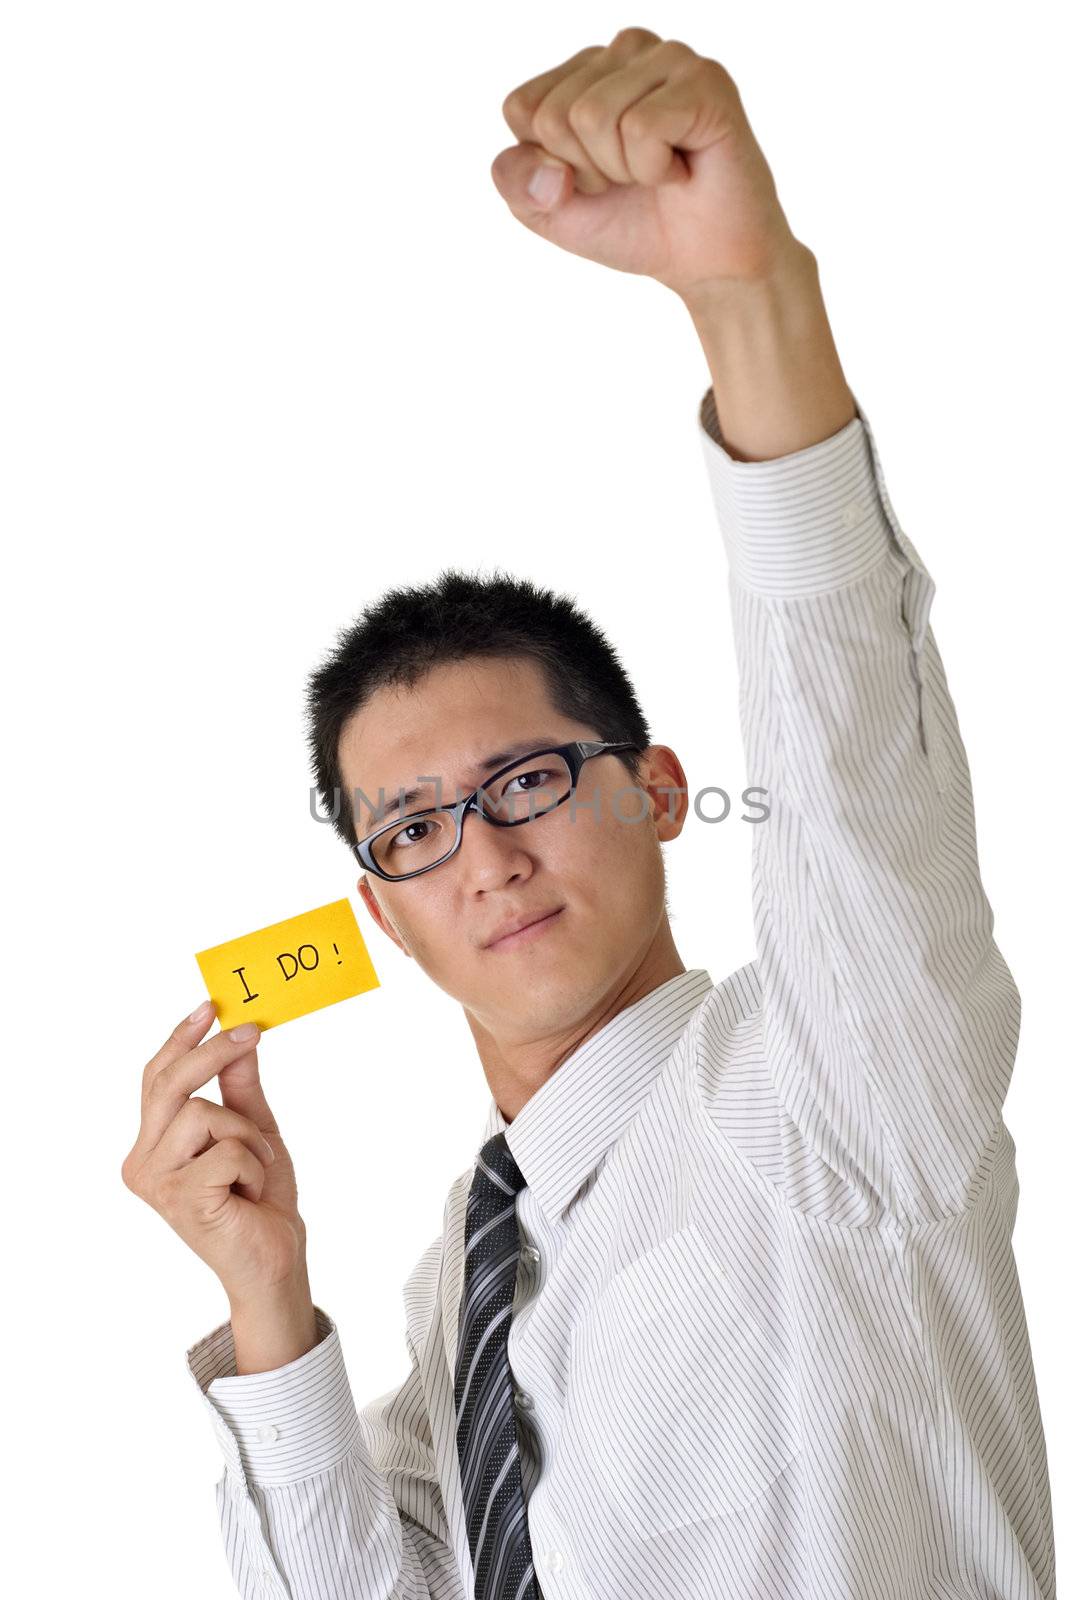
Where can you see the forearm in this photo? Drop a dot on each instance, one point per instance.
(777, 379)
(275, 1328)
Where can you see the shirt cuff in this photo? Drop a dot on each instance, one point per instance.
(276, 1427)
(805, 523)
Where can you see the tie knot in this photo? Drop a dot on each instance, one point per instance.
(497, 1173)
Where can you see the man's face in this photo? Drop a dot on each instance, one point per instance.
(603, 869)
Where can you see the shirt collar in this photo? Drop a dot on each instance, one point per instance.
(560, 1134)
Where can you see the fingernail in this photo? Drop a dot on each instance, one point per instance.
(545, 184)
(271, 1152)
(201, 1013)
(248, 1030)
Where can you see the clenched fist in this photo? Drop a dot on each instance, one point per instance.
(638, 155)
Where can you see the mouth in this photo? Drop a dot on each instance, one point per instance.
(525, 935)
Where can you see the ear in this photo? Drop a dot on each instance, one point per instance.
(666, 786)
(379, 916)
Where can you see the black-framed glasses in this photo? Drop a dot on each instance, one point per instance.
(421, 840)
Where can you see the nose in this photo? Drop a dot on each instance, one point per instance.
(492, 854)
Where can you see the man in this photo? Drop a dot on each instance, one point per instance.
(726, 1304)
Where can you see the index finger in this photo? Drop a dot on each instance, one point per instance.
(182, 1066)
(184, 1035)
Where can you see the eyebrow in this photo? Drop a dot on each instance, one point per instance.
(499, 758)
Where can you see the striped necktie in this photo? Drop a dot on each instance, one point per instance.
(491, 1491)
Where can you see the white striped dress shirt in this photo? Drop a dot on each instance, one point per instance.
(768, 1341)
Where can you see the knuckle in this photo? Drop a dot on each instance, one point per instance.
(519, 103)
(549, 125)
(153, 1069)
(163, 1195)
(157, 1084)
(233, 1148)
(636, 121)
(189, 1119)
(718, 75)
(635, 36)
(674, 51)
(586, 114)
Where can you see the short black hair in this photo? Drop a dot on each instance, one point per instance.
(458, 615)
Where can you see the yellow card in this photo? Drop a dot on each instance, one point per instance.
(289, 968)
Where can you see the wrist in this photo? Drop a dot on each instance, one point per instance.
(777, 379)
(788, 272)
(274, 1325)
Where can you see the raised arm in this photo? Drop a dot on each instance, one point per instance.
(890, 1019)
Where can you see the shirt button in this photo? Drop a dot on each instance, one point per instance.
(268, 1433)
(555, 1560)
(525, 1401)
(851, 514)
(530, 1253)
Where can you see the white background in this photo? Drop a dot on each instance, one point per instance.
(272, 342)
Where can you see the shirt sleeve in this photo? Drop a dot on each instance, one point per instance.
(318, 1501)
(890, 1020)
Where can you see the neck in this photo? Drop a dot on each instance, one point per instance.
(516, 1067)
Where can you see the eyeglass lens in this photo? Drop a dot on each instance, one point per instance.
(520, 795)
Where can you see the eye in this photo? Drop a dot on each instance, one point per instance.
(400, 839)
(538, 772)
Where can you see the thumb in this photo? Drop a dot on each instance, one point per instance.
(531, 182)
(242, 1091)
